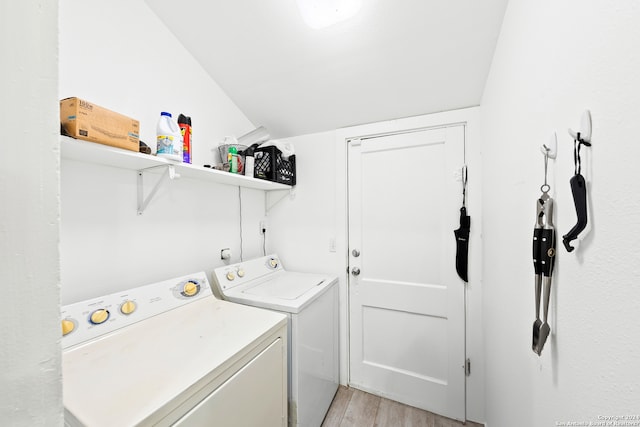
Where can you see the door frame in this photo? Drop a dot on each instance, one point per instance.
(469, 117)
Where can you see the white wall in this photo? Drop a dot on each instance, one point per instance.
(302, 223)
(30, 378)
(301, 226)
(119, 55)
(553, 60)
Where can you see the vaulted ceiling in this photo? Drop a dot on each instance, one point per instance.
(393, 59)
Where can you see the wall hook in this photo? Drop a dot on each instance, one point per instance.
(550, 149)
(584, 133)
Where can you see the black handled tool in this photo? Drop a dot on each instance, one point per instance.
(462, 234)
(579, 191)
(544, 252)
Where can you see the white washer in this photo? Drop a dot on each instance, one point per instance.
(311, 303)
(171, 353)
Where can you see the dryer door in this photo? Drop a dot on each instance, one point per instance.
(255, 396)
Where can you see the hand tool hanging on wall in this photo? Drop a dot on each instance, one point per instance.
(544, 251)
(577, 182)
(462, 233)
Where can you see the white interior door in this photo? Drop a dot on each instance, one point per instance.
(407, 309)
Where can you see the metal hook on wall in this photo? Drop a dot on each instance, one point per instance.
(550, 151)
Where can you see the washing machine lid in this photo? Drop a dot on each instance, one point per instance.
(263, 282)
(288, 286)
(289, 292)
(154, 370)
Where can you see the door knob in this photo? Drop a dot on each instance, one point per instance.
(355, 253)
(355, 271)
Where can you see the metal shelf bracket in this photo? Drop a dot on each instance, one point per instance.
(269, 204)
(169, 172)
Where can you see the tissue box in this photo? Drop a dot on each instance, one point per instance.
(84, 120)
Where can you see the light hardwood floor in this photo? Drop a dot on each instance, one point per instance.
(355, 408)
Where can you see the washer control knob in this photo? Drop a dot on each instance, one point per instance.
(273, 263)
(99, 316)
(67, 326)
(190, 289)
(230, 276)
(128, 307)
(240, 272)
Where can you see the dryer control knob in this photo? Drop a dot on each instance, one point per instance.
(128, 307)
(230, 276)
(67, 326)
(240, 272)
(99, 316)
(190, 289)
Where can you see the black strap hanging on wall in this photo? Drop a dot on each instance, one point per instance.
(462, 233)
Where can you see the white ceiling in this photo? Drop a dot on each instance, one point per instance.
(394, 59)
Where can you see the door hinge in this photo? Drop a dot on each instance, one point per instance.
(467, 367)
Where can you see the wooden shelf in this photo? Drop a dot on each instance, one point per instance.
(90, 152)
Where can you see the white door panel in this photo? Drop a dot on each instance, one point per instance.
(424, 358)
(407, 303)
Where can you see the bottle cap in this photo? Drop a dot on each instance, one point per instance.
(164, 113)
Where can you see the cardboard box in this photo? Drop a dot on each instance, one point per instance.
(84, 120)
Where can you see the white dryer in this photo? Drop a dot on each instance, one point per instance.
(311, 303)
(170, 353)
